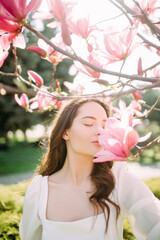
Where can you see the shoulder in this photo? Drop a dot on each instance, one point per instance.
(34, 187)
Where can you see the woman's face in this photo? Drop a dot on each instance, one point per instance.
(82, 136)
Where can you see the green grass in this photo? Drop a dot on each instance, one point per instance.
(19, 158)
(11, 204)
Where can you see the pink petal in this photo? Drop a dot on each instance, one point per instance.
(35, 77)
(41, 52)
(33, 6)
(127, 118)
(104, 156)
(19, 41)
(144, 138)
(42, 15)
(111, 145)
(5, 42)
(122, 105)
(130, 140)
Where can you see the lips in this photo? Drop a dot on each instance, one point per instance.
(96, 142)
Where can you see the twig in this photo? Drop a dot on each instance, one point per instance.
(15, 59)
(152, 108)
(147, 106)
(10, 89)
(151, 67)
(145, 147)
(53, 73)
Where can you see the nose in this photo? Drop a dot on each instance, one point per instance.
(98, 130)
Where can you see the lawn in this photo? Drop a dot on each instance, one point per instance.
(19, 158)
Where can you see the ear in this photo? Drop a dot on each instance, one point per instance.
(65, 135)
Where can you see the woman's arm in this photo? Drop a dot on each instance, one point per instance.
(138, 204)
(30, 225)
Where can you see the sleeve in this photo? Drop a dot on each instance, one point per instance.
(30, 224)
(138, 204)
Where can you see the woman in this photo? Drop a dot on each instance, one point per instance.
(74, 198)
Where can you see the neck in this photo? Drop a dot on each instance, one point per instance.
(77, 168)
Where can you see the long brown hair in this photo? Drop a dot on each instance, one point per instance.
(101, 175)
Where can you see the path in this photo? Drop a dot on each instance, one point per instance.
(141, 170)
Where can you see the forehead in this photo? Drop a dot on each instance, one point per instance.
(91, 109)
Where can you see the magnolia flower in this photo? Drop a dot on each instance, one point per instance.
(22, 101)
(118, 138)
(11, 32)
(80, 26)
(148, 6)
(156, 72)
(52, 55)
(137, 95)
(134, 106)
(43, 101)
(119, 45)
(35, 77)
(59, 9)
(73, 87)
(16, 10)
(95, 60)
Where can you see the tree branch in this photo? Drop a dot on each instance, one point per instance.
(77, 58)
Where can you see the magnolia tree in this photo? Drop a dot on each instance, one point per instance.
(114, 45)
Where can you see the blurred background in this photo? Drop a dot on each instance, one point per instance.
(21, 133)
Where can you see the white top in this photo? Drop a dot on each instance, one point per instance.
(136, 201)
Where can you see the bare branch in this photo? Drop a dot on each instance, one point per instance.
(152, 108)
(151, 67)
(10, 89)
(157, 140)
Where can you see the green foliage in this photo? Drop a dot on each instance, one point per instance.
(11, 204)
(154, 185)
(19, 158)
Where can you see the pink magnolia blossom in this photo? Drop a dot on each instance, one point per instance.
(65, 32)
(41, 52)
(52, 55)
(81, 26)
(11, 32)
(92, 58)
(148, 6)
(156, 72)
(134, 106)
(137, 95)
(35, 77)
(59, 9)
(73, 87)
(16, 10)
(22, 101)
(43, 101)
(118, 138)
(3, 56)
(119, 45)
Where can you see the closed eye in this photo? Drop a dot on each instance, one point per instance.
(88, 125)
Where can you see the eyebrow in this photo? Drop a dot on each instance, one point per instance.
(92, 118)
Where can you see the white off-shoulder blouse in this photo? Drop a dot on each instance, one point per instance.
(136, 201)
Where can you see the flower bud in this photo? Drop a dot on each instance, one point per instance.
(35, 77)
